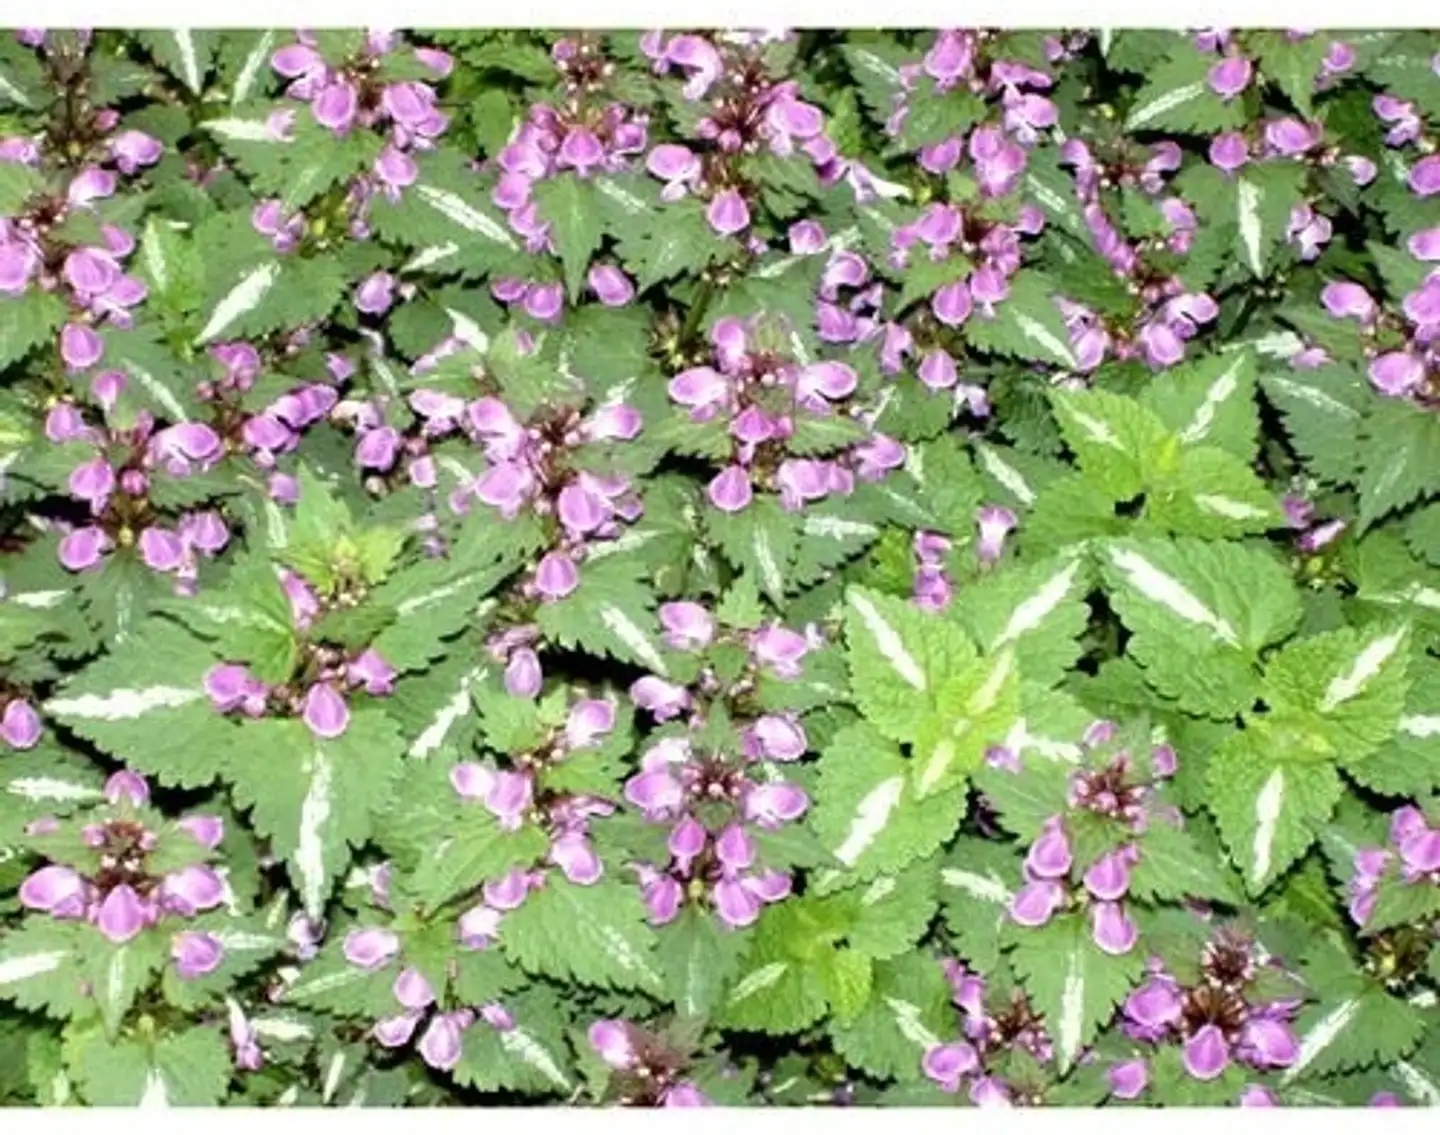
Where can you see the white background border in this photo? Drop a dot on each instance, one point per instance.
(707, 13)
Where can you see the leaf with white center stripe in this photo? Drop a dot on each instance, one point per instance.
(1036, 609)
(118, 974)
(886, 915)
(447, 207)
(608, 614)
(899, 656)
(1071, 982)
(699, 957)
(1343, 691)
(1210, 401)
(1199, 614)
(977, 707)
(1268, 811)
(435, 599)
(1212, 494)
(867, 811)
(909, 1011)
(315, 799)
(251, 64)
(184, 52)
(1177, 97)
(1408, 762)
(1248, 199)
(1116, 441)
(181, 1069)
(761, 541)
(596, 935)
(247, 942)
(437, 715)
(39, 967)
(977, 881)
(1322, 409)
(531, 1057)
(44, 781)
(147, 706)
(781, 986)
(244, 297)
(1026, 325)
(1358, 1024)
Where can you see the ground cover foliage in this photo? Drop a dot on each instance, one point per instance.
(719, 568)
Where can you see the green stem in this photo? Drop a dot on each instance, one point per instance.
(697, 311)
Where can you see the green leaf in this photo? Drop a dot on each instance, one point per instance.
(761, 540)
(40, 966)
(977, 707)
(1177, 98)
(658, 244)
(1357, 1025)
(892, 913)
(977, 882)
(1116, 441)
(1072, 982)
(1343, 691)
(1268, 811)
(1322, 411)
(1264, 195)
(595, 935)
(1173, 867)
(1027, 325)
(477, 849)
(568, 203)
(940, 115)
(26, 321)
(1210, 401)
(899, 657)
(908, 1012)
(315, 799)
(1200, 613)
(1211, 494)
(1037, 609)
(1397, 455)
(530, 1057)
(147, 707)
(1408, 762)
(780, 988)
(185, 1069)
(699, 958)
(868, 813)
(610, 613)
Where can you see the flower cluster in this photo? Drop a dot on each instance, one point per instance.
(597, 567)
(127, 877)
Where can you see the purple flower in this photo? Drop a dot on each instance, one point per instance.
(134, 149)
(371, 948)
(376, 293)
(325, 711)
(122, 915)
(81, 549)
(1206, 1053)
(1228, 152)
(80, 346)
(728, 214)
(196, 954)
(995, 523)
(1128, 1079)
(1424, 177)
(611, 285)
(1397, 373)
(730, 491)
(20, 725)
(1230, 76)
